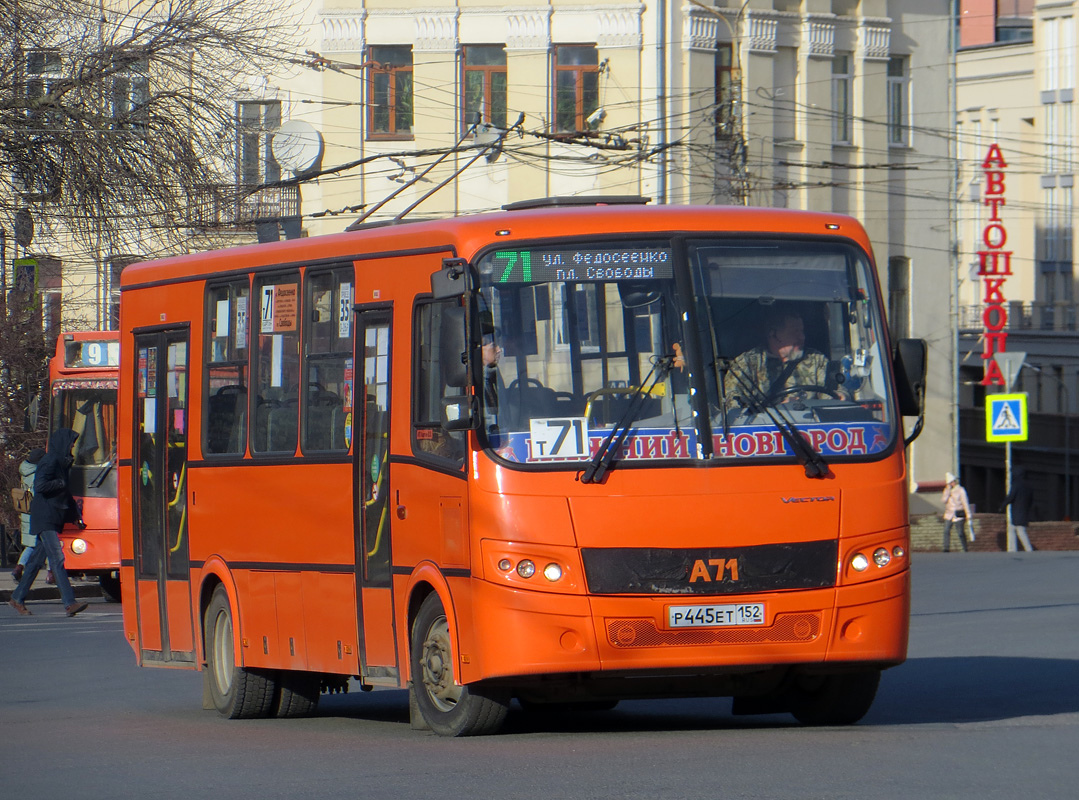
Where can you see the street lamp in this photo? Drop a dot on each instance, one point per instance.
(1067, 439)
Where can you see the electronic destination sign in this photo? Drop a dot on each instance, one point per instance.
(642, 263)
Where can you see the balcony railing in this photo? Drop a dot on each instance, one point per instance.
(231, 206)
(1034, 316)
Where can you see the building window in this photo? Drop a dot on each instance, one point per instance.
(576, 86)
(725, 110)
(898, 102)
(484, 84)
(389, 92)
(131, 92)
(42, 71)
(256, 123)
(37, 170)
(841, 98)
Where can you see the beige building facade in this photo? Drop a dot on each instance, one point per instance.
(1016, 90)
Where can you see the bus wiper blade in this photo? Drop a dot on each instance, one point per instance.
(814, 463)
(604, 457)
(100, 477)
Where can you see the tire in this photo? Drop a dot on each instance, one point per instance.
(297, 693)
(449, 708)
(840, 699)
(237, 693)
(110, 588)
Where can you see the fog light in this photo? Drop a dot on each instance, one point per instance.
(505, 565)
(552, 572)
(860, 562)
(881, 557)
(898, 551)
(526, 569)
(78, 546)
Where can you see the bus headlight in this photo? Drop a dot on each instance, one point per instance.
(859, 562)
(526, 568)
(552, 572)
(78, 546)
(881, 557)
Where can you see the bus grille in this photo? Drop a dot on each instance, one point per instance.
(624, 633)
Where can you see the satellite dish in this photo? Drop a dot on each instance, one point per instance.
(297, 146)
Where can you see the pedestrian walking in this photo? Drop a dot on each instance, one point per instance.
(26, 472)
(1021, 499)
(956, 509)
(53, 506)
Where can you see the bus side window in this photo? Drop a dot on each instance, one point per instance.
(429, 438)
(225, 401)
(277, 364)
(328, 368)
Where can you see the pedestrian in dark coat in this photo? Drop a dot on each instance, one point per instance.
(1021, 499)
(53, 506)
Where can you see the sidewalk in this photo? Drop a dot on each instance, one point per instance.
(43, 591)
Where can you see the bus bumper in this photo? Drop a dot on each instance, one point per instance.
(522, 633)
(100, 551)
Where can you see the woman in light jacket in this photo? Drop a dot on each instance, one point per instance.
(26, 471)
(956, 509)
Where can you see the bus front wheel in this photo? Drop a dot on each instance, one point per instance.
(449, 708)
(237, 693)
(839, 699)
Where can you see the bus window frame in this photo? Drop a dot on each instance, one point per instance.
(452, 465)
(336, 272)
(209, 315)
(291, 274)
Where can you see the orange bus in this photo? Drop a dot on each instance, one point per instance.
(82, 380)
(521, 456)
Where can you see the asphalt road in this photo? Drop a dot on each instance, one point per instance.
(986, 707)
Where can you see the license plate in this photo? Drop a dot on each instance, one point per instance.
(715, 616)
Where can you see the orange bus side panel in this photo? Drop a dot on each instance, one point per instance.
(178, 602)
(131, 623)
(329, 608)
(290, 620)
(378, 628)
(258, 618)
(149, 616)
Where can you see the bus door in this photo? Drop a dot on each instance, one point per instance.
(162, 566)
(374, 504)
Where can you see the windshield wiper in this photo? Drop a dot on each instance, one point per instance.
(814, 463)
(604, 457)
(100, 477)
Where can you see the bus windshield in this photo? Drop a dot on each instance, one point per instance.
(88, 408)
(703, 349)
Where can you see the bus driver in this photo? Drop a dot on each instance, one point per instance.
(781, 369)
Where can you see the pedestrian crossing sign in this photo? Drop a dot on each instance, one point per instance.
(1006, 417)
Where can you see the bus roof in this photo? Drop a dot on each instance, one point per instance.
(465, 235)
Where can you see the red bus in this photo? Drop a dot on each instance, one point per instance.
(82, 381)
(521, 456)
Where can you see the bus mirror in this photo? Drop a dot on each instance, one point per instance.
(457, 413)
(909, 366)
(450, 280)
(453, 348)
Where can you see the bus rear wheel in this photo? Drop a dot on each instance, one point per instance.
(449, 708)
(297, 693)
(839, 699)
(237, 693)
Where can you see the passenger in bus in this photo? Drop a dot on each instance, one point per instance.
(781, 369)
